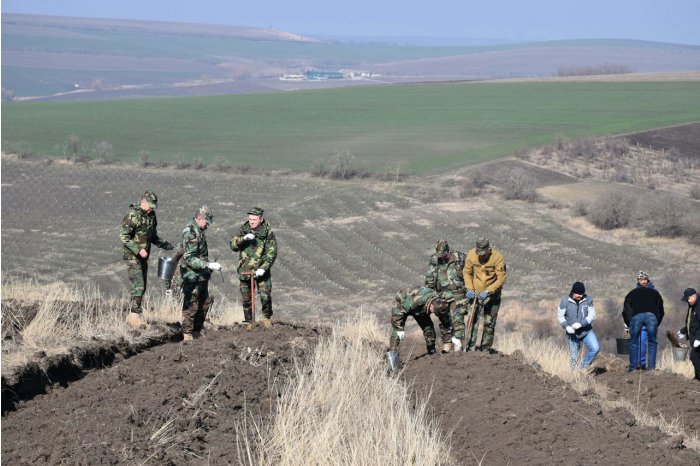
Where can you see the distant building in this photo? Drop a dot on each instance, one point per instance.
(323, 75)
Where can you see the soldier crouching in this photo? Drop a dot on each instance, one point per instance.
(420, 302)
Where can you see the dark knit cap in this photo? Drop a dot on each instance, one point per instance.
(578, 288)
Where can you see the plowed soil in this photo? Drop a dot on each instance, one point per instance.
(173, 404)
(187, 403)
(501, 410)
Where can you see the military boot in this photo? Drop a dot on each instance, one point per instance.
(267, 323)
(134, 320)
(250, 326)
(187, 337)
(431, 349)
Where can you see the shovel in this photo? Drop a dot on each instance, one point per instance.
(468, 327)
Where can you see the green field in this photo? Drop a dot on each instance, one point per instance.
(423, 128)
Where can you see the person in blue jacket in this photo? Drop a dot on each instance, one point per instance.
(576, 315)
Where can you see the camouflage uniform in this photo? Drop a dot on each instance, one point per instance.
(139, 231)
(415, 302)
(258, 253)
(489, 275)
(445, 276)
(195, 275)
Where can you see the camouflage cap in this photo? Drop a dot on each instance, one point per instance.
(206, 214)
(150, 197)
(641, 275)
(482, 246)
(256, 211)
(442, 246)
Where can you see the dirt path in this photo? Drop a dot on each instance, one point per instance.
(503, 411)
(174, 404)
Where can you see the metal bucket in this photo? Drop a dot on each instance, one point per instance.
(680, 354)
(393, 359)
(623, 345)
(166, 268)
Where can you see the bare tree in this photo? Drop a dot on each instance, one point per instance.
(72, 143)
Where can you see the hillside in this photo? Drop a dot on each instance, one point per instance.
(77, 58)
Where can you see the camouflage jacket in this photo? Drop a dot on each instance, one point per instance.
(413, 300)
(258, 253)
(446, 277)
(139, 231)
(491, 275)
(195, 257)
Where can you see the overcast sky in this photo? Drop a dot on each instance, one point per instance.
(676, 21)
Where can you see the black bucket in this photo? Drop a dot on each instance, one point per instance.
(623, 345)
(166, 268)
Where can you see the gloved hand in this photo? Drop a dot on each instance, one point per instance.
(260, 272)
(249, 236)
(696, 343)
(681, 335)
(214, 266)
(471, 294)
(401, 334)
(576, 326)
(483, 295)
(168, 246)
(570, 330)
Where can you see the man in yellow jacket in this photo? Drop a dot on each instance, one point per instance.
(484, 276)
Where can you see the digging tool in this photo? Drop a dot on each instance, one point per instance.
(220, 272)
(468, 327)
(251, 324)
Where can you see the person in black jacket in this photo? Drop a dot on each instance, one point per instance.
(643, 307)
(691, 331)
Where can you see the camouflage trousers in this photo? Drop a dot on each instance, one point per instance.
(398, 321)
(195, 305)
(138, 275)
(264, 286)
(489, 311)
(459, 310)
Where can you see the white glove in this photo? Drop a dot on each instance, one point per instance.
(576, 326)
(401, 334)
(696, 343)
(570, 329)
(681, 335)
(249, 236)
(260, 272)
(214, 266)
(457, 344)
(626, 327)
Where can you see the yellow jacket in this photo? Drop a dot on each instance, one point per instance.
(490, 275)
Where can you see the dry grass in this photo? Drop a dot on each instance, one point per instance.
(342, 408)
(552, 357)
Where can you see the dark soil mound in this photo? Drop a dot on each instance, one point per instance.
(174, 404)
(504, 411)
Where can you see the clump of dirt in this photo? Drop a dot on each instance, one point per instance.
(174, 404)
(502, 410)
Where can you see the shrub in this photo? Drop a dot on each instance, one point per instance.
(695, 192)
(518, 186)
(144, 155)
(608, 213)
(472, 186)
(198, 164)
(579, 209)
(664, 215)
(616, 146)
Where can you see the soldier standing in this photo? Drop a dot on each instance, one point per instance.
(195, 271)
(138, 232)
(420, 302)
(257, 247)
(484, 276)
(445, 275)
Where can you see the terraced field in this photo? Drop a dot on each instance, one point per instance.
(342, 245)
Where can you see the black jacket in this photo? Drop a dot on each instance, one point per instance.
(692, 328)
(640, 300)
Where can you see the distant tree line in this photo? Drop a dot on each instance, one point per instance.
(593, 70)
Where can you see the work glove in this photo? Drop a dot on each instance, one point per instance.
(214, 266)
(483, 295)
(260, 272)
(681, 335)
(249, 236)
(401, 334)
(570, 330)
(456, 343)
(471, 294)
(696, 343)
(576, 326)
(168, 246)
